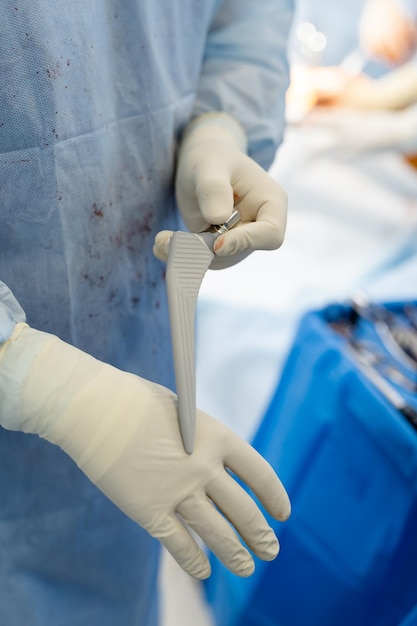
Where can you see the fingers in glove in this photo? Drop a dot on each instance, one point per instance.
(179, 543)
(161, 244)
(214, 194)
(259, 235)
(264, 210)
(217, 534)
(161, 250)
(255, 471)
(242, 511)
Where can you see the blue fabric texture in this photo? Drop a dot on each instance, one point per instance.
(348, 459)
(94, 98)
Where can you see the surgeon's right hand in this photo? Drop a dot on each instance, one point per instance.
(122, 431)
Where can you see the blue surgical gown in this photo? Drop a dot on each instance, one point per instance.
(93, 98)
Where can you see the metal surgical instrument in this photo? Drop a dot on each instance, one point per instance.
(389, 392)
(400, 342)
(189, 257)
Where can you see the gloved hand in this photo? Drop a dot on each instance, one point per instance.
(214, 177)
(397, 90)
(351, 133)
(122, 432)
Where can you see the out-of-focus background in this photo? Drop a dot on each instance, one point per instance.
(350, 175)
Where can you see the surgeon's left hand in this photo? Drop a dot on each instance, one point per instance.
(214, 177)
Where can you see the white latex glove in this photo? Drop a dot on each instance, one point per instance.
(214, 177)
(122, 432)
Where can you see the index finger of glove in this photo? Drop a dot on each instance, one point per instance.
(260, 235)
(242, 511)
(263, 208)
(259, 476)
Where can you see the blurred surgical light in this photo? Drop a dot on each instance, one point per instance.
(311, 42)
(305, 30)
(317, 42)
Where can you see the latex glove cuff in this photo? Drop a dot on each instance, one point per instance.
(214, 126)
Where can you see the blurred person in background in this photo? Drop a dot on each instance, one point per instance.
(388, 30)
(385, 105)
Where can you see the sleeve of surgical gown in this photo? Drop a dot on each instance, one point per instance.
(245, 70)
(10, 312)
